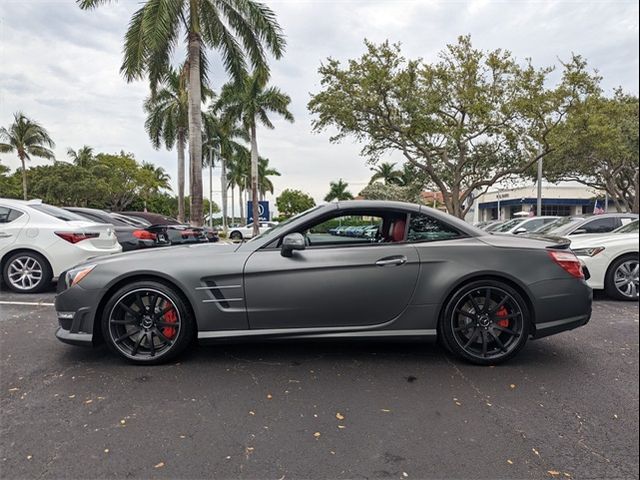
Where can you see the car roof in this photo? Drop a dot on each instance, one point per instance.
(14, 202)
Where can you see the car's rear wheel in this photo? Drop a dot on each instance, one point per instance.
(621, 280)
(147, 322)
(485, 322)
(235, 236)
(27, 272)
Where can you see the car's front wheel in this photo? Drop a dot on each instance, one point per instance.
(621, 281)
(236, 236)
(147, 322)
(485, 322)
(27, 272)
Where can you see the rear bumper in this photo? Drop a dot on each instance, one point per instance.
(561, 305)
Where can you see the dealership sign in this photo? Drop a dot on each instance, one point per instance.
(263, 211)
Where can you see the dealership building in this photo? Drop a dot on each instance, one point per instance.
(557, 199)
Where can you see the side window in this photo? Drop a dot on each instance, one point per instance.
(534, 224)
(423, 228)
(346, 230)
(8, 215)
(601, 225)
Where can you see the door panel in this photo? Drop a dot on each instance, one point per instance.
(329, 287)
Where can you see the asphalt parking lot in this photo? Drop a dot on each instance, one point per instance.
(566, 407)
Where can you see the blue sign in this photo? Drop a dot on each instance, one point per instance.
(263, 209)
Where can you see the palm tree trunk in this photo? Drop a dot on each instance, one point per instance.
(233, 204)
(195, 130)
(240, 190)
(24, 178)
(254, 180)
(181, 146)
(223, 181)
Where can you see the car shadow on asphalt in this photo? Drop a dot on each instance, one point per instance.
(543, 353)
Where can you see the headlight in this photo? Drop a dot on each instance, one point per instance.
(75, 275)
(588, 252)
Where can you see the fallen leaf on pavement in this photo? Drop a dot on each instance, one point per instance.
(339, 416)
(159, 465)
(553, 473)
(317, 434)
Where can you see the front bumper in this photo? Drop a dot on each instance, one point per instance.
(75, 309)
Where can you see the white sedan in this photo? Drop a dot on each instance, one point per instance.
(38, 242)
(246, 232)
(612, 261)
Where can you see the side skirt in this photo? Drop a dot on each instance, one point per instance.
(311, 333)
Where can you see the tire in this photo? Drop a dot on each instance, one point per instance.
(485, 333)
(27, 272)
(622, 270)
(235, 235)
(145, 331)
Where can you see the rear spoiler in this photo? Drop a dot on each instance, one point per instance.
(558, 243)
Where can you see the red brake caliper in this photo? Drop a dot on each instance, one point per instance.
(504, 322)
(170, 317)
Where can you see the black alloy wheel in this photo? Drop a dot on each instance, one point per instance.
(485, 322)
(147, 322)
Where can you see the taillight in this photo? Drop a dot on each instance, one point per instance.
(568, 261)
(75, 237)
(144, 235)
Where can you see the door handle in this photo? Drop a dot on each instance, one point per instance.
(4, 235)
(392, 261)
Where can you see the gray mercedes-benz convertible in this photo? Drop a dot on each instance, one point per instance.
(349, 269)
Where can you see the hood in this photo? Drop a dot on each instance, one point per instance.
(605, 240)
(158, 254)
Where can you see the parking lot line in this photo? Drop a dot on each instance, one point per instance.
(30, 304)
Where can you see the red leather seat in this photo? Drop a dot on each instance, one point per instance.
(397, 230)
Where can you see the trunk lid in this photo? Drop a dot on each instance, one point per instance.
(106, 238)
(526, 241)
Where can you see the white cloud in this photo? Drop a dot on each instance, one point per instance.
(60, 65)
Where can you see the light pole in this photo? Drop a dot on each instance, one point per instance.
(500, 196)
(539, 202)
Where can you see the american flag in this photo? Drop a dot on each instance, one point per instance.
(597, 209)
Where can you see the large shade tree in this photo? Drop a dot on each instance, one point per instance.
(251, 101)
(468, 120)
(598, 147)
(26, 138)
(237, 29)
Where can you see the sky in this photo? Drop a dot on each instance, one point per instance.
(60, 66)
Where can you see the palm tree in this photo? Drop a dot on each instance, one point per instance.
(168, 122)
(221, 134)
(236, 28)
(387, 173)
(81, 157)
(264, 172)
(338, 191)
(239, 175)
(27, 139)
(250, 101)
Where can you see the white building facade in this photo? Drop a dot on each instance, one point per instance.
(561, 200)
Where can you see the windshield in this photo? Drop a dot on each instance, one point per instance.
(58, 213)
(559, 223)
(628, 228)
(275, 230)
(505, 227)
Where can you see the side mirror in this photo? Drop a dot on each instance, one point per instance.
(520, 230)
(291, 242)
(579, 231)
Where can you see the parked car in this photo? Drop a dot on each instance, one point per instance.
(580, 225)
(426, 277)
(38, 242)
(612, 261)
(246, 232)
(131, 237)
(492, 226)
(520, 225)
(171, 230)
